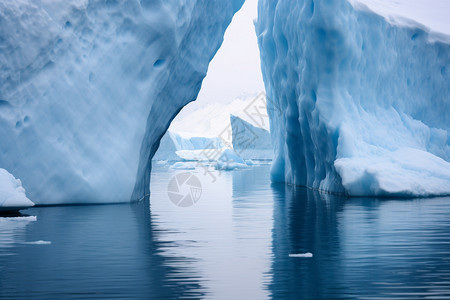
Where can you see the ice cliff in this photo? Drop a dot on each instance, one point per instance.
(88, 88)
(360, 103)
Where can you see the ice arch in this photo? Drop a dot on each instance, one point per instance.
(88, 87)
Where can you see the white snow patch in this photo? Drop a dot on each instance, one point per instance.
(12, 194)
(433, 14)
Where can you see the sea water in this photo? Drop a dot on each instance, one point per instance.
(235, 235)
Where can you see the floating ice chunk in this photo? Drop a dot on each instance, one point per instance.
(181, 165)
(229, 166)
(230, 160)
(249, 162)
(12, 194)
(40, 242)
(26, 219)
(404, 172)
(306, 255)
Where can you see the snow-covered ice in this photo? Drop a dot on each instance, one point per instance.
(12, 194)
(432, 15)
(88, 88)
(363, 99)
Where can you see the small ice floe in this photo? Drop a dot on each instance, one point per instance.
(40, 242)
(18, 219)
(12, 193)
(305, 255)
(184, 165)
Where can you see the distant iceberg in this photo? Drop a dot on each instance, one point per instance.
(249, 141)
(175, 147)
(230, 160)
(205, 132)
(362, 101)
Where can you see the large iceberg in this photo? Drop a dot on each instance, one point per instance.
(89, 87)
(360, 102)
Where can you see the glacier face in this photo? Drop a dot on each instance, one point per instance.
(88, 88)
(359, 105)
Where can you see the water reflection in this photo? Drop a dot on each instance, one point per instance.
(234, 243)
(101, 252)
(227, 234)
(363, 248)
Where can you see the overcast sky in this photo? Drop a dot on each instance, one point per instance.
(236, 67)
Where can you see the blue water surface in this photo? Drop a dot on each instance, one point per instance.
(233, 243)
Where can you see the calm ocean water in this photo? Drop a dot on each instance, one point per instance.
(233, 243)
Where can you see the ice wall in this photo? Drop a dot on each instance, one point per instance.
(88, 88)
(359, 105)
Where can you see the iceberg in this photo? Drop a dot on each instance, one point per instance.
(230, 160)
(249, 141)
(213, 120)
(205, 131)
(167, 149)
(88, 88)
(360, 101)
(172, 146)
(12, 194)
